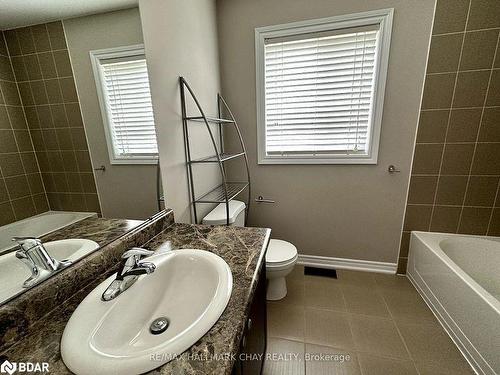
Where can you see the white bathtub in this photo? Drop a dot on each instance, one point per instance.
(39, 225)
(459, 277)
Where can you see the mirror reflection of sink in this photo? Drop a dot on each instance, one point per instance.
(72, 249)
(14, 272)
(161, 315)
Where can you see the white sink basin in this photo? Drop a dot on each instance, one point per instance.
(190, 288)
(13, 272)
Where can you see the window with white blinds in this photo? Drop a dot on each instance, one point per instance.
(127, 108)
(318, 92)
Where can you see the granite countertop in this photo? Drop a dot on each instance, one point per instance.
(242, 248)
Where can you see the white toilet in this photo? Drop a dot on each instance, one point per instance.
(281, 256)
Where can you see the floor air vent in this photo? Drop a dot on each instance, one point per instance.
(313, 271)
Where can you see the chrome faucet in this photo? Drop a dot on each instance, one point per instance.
(34, 255)
(131, 267)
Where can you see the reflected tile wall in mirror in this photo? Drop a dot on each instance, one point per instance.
(44, 76)
(22, 193)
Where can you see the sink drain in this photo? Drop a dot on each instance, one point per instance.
(159, 325)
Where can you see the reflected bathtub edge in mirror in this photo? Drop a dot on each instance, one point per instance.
(38, 226)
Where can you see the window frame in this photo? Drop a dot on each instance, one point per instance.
(95, 57)
(381, 17)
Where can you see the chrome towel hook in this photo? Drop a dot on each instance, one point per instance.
(392, 169)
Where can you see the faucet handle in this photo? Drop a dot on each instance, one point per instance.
(134, 255)
(131, 259)
(136, 251)
(27, 243)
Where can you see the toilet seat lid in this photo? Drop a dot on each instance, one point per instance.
(280, 251)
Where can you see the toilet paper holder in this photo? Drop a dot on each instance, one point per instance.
(261, 199)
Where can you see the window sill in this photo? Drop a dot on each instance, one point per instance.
(134, 161)
(319, 161)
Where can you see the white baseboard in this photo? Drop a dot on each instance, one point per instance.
(347, 264)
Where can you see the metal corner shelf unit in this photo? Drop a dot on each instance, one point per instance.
(227, 190)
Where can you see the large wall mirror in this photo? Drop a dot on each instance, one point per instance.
(78, 152)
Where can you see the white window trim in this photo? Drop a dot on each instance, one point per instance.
(382, 17)
(95, 57)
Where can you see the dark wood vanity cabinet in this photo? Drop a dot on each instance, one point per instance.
(250, 359)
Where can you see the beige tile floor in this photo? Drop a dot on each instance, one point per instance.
(368, 324)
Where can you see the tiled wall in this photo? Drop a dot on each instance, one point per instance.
(21, 189)
(456, 167)
(44, 76)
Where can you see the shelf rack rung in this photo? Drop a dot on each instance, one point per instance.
(213, 159)
(209, 119)
(217, 195)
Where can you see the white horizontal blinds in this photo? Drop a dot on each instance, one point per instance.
(319, 92)
(129, 107)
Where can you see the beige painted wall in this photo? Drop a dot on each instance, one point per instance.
(181, 40)
(125, 191)
(347, 211)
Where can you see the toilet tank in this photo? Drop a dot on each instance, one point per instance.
(218, 215)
